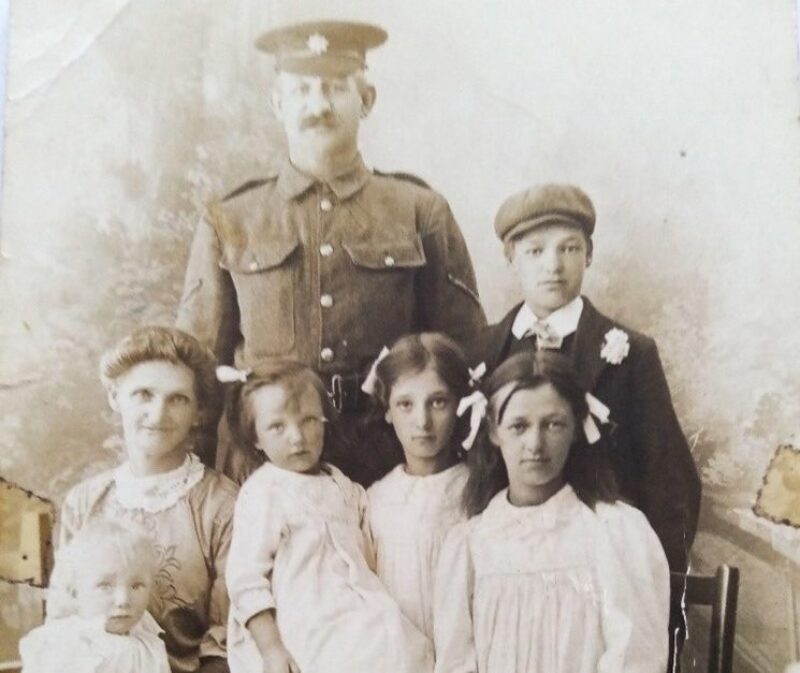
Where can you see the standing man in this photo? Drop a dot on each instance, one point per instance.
(322, 260)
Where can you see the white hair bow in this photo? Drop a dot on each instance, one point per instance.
(226, 374)
(597, 410)
(476, 374)
(476, 403)
(370, 383)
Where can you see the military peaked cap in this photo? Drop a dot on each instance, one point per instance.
(332, 48)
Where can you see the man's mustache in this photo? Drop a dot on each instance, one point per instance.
(327, 120)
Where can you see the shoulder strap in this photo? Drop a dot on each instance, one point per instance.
(246, 187)
(408, 177)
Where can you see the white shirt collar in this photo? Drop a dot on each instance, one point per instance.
(563, 321)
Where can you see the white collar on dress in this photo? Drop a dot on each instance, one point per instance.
(157, 492)
(559, 507)
(563, 321)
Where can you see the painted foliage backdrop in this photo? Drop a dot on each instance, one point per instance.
(679, 118)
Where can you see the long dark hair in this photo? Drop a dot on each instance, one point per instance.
(411, 354)
(586, 468)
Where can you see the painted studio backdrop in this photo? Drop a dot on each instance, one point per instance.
(680, 119)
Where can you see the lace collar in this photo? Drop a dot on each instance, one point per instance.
(436, 483)
(558, 508)
(158, 492)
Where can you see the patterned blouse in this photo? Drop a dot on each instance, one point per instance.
(191, 522)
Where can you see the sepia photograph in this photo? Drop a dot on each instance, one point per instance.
(399, 337)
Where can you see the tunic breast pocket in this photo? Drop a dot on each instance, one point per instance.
(385, 271)
(264, 277)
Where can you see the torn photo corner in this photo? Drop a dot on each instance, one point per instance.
(26, 524)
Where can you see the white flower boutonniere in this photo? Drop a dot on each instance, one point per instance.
(615, 347)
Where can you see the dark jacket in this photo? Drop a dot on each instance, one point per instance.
(327, 274)
(648, 451)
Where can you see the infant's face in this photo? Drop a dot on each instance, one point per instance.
(115, 588)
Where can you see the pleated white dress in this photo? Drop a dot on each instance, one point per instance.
(554, 588)
(410, 517)
(301, 546)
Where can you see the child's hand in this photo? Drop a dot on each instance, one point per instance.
(278, 660)
(274, 656)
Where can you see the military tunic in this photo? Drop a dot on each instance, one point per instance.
(327, 273)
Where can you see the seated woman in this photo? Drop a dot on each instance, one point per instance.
(160, 381)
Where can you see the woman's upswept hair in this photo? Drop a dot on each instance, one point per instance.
(294, 378)
(171, 345)
(412, 354)
(586, 468)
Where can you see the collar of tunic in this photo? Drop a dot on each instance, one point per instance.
(292, 182)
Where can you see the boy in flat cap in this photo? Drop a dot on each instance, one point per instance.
(547, 236)
(323, 260)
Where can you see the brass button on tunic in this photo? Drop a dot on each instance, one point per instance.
(387, 248)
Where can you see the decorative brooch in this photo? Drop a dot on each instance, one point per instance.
(616, 346)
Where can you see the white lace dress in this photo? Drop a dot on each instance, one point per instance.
(301, 546)
(554, 588)
(77, 645)
(410, 517)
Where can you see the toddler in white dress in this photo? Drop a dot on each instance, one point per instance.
(101, 586)
(303, 593)
(551, 574)
(416, 387)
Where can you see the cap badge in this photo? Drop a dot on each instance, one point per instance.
(317, 44)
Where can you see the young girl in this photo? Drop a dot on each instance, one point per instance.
(303, 595)
(107, 573)
(161, 382)
(552, 574)
(417, 385)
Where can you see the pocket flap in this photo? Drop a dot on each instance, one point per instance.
(378, 255)
(253, 259)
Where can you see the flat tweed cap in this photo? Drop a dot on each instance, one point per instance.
(544, 204)
(324, 48)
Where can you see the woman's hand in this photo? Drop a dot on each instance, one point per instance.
(278, 660)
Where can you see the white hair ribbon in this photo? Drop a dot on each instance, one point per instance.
(476, 403)
(475, 375)
(369, 386)
(226, 374)
(597, 410)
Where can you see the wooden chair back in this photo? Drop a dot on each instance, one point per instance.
(720, 592)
